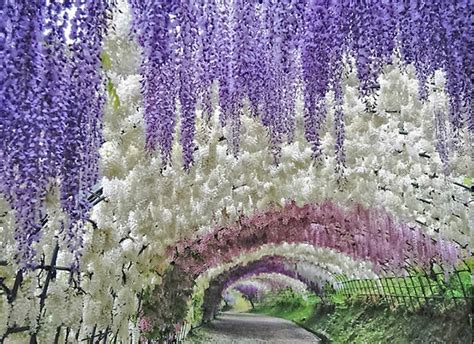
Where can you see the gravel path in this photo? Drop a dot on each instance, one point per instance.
(251, 328)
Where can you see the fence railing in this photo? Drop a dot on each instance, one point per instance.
(46, 274)
(417, 290)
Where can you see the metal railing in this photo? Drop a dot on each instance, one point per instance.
(416, 291)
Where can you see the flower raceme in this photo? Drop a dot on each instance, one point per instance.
(260, 53)
(51, 119)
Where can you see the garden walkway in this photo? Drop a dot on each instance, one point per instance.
(251, 328)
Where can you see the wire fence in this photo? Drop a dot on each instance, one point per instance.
(418, 290)
(46, 275)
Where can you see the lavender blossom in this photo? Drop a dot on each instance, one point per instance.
(251, 51)
(51, 99)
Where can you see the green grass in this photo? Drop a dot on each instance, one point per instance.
(288, 306)
(417, 285)
(241, 304)
(364, 322)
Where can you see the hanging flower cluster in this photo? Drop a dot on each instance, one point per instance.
(317, 274)
(269, 264)
(275, 282)
(251, 290)
(364, 234)
(51, 100)
(335, 263)
(262, 52)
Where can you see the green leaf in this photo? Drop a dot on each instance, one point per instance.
(110, 87)
(113, 96)
(106, 61)
(116, 103)
(468, 181)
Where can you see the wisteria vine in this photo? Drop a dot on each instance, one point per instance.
(364, 234)
(263, 51)
(51, 112)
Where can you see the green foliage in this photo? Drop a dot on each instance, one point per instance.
(362, 322)
(288, 298)
(111, 91)
(197, 301)
(339, 300)
(469, 262)
(106, 61)
(419, 290)
(113, 96)
(468, 181)
(241, 304)
(362, 319)
(288, 305)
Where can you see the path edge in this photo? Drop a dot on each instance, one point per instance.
(320, 334)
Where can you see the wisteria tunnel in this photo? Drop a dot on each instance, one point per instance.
(230, 171)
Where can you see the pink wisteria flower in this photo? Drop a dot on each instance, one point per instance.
(145, 324)
(362, 234)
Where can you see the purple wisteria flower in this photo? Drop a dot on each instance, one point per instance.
(51, 111)
(265, 51)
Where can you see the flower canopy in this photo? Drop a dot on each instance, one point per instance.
(361, 233)
(252, 55)
(261, 52)
(221, 139)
